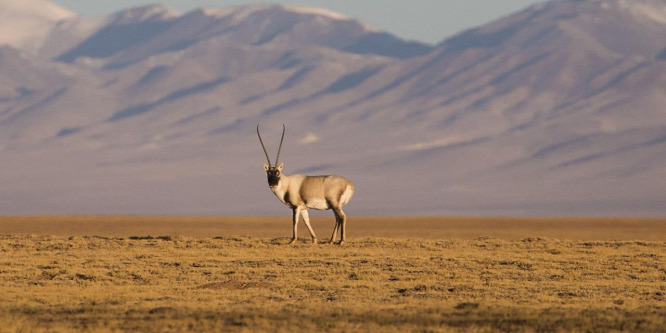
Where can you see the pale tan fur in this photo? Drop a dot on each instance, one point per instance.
(301, 192)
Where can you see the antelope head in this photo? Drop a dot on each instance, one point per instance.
(274, 173)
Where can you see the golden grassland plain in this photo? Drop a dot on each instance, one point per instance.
(175, 274)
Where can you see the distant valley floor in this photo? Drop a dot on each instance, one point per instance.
(469, 228)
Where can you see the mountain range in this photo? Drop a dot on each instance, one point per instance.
(554, 110)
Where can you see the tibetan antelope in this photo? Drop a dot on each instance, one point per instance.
(300, 192)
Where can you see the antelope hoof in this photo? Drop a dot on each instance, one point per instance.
(293, 241)
(331, 241)
(340, 242)
(314, 241)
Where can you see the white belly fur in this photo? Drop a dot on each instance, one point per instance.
(319, 204)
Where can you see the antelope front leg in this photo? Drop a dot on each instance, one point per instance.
(306, 219)
(297, 212)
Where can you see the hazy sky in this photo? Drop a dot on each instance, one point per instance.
(424, 20)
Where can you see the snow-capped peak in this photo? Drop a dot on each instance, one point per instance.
(43, 9)
(241, 12)
(316, 11)
(25, 24)
(652, 10)
(144, 13)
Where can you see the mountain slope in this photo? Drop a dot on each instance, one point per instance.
(25, 24)
(547, 107)
(556, 109)
(136, 34)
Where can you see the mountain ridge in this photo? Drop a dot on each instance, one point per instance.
(555, 109)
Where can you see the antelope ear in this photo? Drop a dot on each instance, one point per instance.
(265, 167)
(280, 166)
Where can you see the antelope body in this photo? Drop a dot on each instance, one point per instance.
(301, 192)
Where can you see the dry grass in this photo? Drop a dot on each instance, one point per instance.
(205, 283)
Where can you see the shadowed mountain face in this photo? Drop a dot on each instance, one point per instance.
(556, 109)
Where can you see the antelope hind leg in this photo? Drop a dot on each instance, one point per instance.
(335, 229)
(342, 224)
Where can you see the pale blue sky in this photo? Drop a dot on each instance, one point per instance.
(424, 20)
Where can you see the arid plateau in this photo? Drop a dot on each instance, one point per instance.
(175, 274)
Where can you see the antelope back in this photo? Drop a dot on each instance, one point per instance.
(332, 189)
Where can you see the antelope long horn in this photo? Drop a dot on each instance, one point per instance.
(277, 159)
(262, 146)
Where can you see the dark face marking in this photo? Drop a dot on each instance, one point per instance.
(273, 176)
